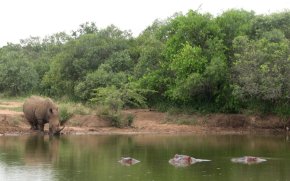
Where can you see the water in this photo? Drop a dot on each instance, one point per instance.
(95, 157)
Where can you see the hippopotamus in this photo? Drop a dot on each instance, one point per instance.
(248, 160)
(184, 160)
(39, 111)
(128, 161)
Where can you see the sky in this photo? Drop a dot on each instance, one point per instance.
(21, 19)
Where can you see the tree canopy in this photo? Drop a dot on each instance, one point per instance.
(226, 63)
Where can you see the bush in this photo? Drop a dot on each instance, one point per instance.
(68, 109)
(64, 115)
(130, 119)
(117, 119)
(283, 111)
(126, 96)
(17, 77)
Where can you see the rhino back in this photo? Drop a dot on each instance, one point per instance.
(35, 108)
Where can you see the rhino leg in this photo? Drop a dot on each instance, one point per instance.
(33, 125)
(40, 125)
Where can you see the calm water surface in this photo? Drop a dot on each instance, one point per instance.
(95, 157)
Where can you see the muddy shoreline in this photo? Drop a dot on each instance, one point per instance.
(146, 121)
(152, 122)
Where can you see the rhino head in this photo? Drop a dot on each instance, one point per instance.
(54, 122)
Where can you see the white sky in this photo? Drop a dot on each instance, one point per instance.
(21, 19)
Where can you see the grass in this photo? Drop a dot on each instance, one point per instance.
(68, 109)
(75, 123)
(16, 109)
(187, 121)
(76, 108)
(116, 119)
(14, 99)
(15, 121)
(5, 106)
(181, 119)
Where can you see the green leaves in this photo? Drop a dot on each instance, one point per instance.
(117, 98)
(188, 66)
(17, 75)
(194, 58)
(103, 77)
(190, 59)
(71, 70)
(193, 28)
(261, 67)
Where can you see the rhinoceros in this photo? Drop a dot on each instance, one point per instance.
(39, 111)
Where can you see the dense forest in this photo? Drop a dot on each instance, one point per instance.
(235, 62)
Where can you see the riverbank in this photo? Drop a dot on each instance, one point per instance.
(12, 122)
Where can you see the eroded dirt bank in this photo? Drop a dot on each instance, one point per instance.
(146, 121)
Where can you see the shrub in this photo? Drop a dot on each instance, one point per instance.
(67, 109)
(117, 119)
(130, 119)
(17, 77)
(64, 114)
(126, 96)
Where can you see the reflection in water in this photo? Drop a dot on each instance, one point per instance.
(28, 158)
(15, 173)
(94, 157)
(41, 149)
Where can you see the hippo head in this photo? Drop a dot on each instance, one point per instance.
(54, 123)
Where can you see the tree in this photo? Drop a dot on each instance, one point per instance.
(261, 69)
(121, 62)
(265, 23)
(118, 98)
(150, 50)
(86, 28)
(234, 23)
(101, 78)
(194, 53)
(17, 74)
(195, 76)
(82, 56)
(193, 28)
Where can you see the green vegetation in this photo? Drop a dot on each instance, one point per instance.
(182, 120)
(68, 109)
(11, 104)
(15, 121)
(115, 117)
(235, 62)
(16, 109)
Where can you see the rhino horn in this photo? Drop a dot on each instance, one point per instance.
(59, 130)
